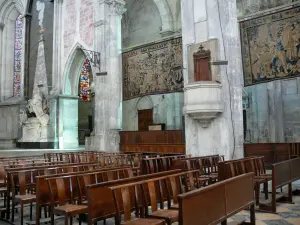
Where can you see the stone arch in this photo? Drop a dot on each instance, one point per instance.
(72, 70)
(165, 14)
(161, 22)
(9, 12)
(144, 103)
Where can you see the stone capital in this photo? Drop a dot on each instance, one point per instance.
(100, 23)
(116, 7)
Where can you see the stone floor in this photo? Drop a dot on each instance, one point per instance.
(288, 214)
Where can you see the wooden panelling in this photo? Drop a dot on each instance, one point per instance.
(170, 141)
(143, 148)
(151, 137)
(273, 152)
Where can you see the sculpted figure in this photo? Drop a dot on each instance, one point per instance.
(38, 105)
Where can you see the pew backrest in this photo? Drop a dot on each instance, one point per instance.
(214, 203)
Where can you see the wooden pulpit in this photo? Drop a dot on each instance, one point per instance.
(202, 65)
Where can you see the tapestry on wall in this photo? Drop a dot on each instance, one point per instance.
(153, 69)
(271, 47)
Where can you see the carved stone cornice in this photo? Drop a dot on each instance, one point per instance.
(100, 23)
(116, 7)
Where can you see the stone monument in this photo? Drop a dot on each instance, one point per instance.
(35, 120)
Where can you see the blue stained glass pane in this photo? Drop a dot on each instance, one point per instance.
(18, 44)
(18, 55)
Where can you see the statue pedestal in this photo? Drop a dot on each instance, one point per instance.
(34, 135)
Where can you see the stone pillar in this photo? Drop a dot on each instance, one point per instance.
(57, 45)
(27, 56)
(1, 63)
(108, 89)
(211, 20)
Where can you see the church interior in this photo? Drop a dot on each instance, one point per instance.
(150, 112)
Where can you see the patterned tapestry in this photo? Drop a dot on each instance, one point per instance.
(271, 47)
(18, 55)
(153, 69)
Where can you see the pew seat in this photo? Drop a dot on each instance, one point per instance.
(170, 215)
(70, 210)
(27, 198)
(143, 221)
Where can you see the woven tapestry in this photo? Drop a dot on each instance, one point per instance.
(153, 69)
(271, 47)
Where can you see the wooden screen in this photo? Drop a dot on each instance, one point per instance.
(145, 118)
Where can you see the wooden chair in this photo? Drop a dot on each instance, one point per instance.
(23, 197)
(150, 190)
(66, 206)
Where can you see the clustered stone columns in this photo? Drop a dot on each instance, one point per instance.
(108, 89)
(1, 63)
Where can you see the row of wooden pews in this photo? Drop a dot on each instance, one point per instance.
(23, 183)
(282, 174)
(177, 188)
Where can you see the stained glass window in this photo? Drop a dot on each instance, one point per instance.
(18, 55)
(85, 81)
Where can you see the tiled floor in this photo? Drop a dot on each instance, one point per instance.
(288, 214)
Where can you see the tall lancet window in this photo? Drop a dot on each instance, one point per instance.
(18, 55)
(85, 81)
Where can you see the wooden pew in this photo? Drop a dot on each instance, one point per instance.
(237, 167)
(39, 170)
(103, 208)
(43, 197)
(158, 164)
(152, 192)
(283, 174)
(216, 203)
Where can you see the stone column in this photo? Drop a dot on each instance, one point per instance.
(213, 20)
(1, 63)
(108, 89)
(57, 45)
(27, 56)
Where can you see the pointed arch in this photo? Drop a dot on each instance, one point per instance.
(9, 12)
(72, 70)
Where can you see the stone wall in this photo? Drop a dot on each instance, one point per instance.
(42, 18)
(167, 109)
(146, 22)
(246, 7)
(274, 113)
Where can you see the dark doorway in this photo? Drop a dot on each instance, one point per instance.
(145, 118)
(245, 123)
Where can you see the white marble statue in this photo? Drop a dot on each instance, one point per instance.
(35, 128)
(38, 105)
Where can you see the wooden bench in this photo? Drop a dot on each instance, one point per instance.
(11, 175)
(207, 164)
(43, 191)
(237, 167)
(216, 203)
(158, 164)
(283, 174)
(103, 207)
(151, 193)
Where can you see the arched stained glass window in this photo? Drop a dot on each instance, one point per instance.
(18, 55)
(85, 81)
